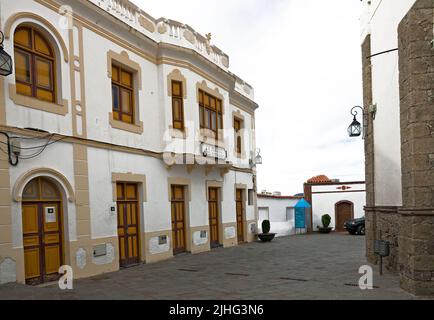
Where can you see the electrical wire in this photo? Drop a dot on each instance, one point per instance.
(49, 142)
(31, 156)
(28, 148)
(37, 153)
(34, 138)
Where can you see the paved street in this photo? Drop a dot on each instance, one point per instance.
(303, 267)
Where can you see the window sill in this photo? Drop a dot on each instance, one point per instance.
(120, 125)
(30, 102)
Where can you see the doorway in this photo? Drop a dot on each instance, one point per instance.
(178, 219)
(214, 216)
(42, 231)
(240, 214)
(128, 223)
(344, 211)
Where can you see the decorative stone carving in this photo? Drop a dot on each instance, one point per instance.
(147, 24)
(162, 28)
(189, 36)
(225, 61)
(7, 271)
(80, 258)
(247, 89)
(230, 233)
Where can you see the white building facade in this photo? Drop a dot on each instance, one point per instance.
(398, 61)
(129, 141)
(342, 201)
(279, 210)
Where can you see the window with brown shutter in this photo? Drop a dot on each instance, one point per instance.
(177, 105)
(35, 64)
(123, 94)
(238, 139)
(210, 112)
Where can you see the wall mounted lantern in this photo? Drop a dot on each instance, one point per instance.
(5, 59)
(256, 158)
(355, 128)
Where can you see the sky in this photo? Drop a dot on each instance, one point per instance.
(303, 59)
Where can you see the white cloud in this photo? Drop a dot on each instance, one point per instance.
(303, 58)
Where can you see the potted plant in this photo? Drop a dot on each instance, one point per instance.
(325, 219)
(266, 236)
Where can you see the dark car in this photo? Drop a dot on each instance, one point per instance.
(355, 226)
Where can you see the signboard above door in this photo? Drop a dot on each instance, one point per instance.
(212, 151)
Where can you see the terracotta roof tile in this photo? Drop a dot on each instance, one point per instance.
(319, 179)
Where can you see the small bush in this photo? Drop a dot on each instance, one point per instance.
(266, 226)
(326, 220)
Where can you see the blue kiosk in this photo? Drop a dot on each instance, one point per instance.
(302, 216)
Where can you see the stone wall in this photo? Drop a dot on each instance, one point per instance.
(370, 223)
(416, 68)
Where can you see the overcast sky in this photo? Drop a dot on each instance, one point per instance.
(303, 58)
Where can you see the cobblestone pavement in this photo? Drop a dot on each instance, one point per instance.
(302, 267)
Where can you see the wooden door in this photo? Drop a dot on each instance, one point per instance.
(240, 214)
(178, 219)
(128, 224)
(344, 211)
(42, 241)
(214, 214)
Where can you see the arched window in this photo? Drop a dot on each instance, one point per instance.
(35, 64)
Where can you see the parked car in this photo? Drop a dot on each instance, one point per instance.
(355, 226)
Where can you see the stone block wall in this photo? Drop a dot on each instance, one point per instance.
(416, 68)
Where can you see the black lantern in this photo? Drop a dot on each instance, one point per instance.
(355, 128)
(5, 59)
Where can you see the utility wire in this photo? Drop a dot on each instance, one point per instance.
(26, 157)
(49, 142)
(29, 148)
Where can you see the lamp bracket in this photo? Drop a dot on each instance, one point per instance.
(373, 110)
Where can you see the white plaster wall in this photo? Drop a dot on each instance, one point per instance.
(156, 211)
(277, 212)
(381, 19)
(228, 205)
(48, 159)
(99, 104)
(324, 203)
(24, 117)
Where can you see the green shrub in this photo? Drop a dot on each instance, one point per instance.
(326, 219)
(266, 226)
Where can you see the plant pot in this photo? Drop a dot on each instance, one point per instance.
(325, 230)
(266, 237)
